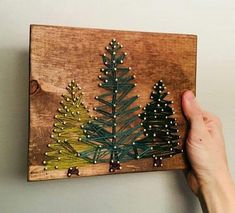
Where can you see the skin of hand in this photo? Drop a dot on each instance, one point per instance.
(209, 176)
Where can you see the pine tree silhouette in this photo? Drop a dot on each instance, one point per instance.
(160, 127)
(64, 151)
(113, 133)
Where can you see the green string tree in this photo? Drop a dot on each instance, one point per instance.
(64, 151)
(160, 126)
(113, 133)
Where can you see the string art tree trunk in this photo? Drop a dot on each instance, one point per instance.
(64, 151)
(113, 133)
(160, 127)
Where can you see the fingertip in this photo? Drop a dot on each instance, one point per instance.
(190, 106)
(188, 96)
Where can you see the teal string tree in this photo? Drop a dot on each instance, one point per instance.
(113, 133)
(160, 127)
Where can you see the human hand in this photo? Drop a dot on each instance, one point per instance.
(205, 148)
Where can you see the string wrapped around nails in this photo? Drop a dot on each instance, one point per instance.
(160, 127)
(117, 127)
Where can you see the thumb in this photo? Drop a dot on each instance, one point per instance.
(192, 110)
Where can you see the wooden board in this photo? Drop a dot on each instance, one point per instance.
(61, 54)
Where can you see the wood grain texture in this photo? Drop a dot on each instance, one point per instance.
(61, 54)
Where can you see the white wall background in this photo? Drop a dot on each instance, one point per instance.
(166, 192)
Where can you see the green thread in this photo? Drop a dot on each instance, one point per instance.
(160, 128)
(65, 150)
(112, 133)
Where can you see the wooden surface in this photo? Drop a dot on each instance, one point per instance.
(61, 54)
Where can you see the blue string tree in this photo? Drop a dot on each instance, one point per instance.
(113, 133)
(160, 127)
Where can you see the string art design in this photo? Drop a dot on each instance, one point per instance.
(63, 152)
(113, 133)
(160, 127)
(118, 134)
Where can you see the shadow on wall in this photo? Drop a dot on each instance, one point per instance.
(14, 68)
(190, 205)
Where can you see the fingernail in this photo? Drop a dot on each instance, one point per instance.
(190, 96)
